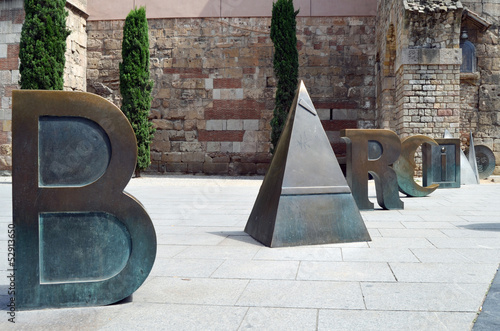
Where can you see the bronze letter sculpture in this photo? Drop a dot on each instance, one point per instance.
(80, 240)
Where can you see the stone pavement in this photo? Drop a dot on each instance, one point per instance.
(428, 267)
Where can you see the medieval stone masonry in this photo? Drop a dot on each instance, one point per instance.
(399, 67)
(11, 21)
(214, 85)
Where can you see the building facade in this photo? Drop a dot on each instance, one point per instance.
(393, 64)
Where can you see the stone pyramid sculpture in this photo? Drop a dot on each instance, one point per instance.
(304, 198)
(467, 174)
(472, 160)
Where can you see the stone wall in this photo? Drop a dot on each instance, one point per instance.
(75, 71)
(214, 85)
(11, 21)
(480, 91)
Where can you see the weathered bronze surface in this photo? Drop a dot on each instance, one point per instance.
(372, 152)
(467, 175)
(405, 167)
(441, 164)
(80, 240)
(304, 198)
(485, 161)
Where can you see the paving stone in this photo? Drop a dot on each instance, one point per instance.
(219, 252)
(424, 296)
(302, 294)
(441, 255)
(191, 291)
(243, 269)
(279, 319)
(333, 320)
(480, 255)
(168, 251)
(411, 233)
(483, 233)
(489, 319)
(345, 271)
(450, 273)
(199, 223)
(190, 239)
(378, 255)
(395, 243)
(177, 317)
(185, 268)
(476, 243)
(428, 225)
(306, 253)
(384, 225)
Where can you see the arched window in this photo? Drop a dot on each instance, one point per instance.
(468, 57)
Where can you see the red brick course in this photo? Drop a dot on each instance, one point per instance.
(234, 109)
(337, 125)
(227, 135)
(336, 105)
(227, 83)
(9, 64)
(16, 16)
(186, 72)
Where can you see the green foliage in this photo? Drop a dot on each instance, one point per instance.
(43, 44)
(135, 85)
(286, 63)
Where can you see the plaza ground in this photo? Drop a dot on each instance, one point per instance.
(428, 267)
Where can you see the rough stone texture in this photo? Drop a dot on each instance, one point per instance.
(214, 85)
(75, 73)
(421, 89)
(11, 21)
(480, 97)
(214, 82)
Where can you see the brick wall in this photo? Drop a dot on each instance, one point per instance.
(480, 92)
(11, 19)
(428, 100)
(214, 85)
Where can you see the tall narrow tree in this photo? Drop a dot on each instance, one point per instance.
(43, 44)
(286, 63)
(135, 83)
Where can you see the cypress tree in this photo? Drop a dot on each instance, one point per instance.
(285, 62)
(43, 44)
(135, 84)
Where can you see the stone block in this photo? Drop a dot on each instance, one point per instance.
(160, 145)
(172, 157)
(250, 125)
(226, 147)
(250, 136)
(215, 125)
(236, 147)
(238, 168)
(191, 147)
(195, 167)
(193, 157)
(190, 125)
(235, 124)
(176, 167)
(248, 147)
(215, 168)
(213, 146)
(161, 124)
